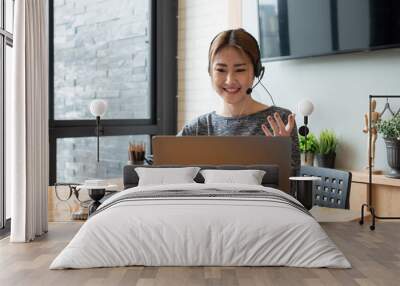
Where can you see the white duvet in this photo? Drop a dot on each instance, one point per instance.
(194, 231)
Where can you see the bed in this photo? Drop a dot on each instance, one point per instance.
(201, 224)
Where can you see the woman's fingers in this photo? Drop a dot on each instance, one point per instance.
(279, 121)
(278, 126)
(266, 130)
(273, 125)
(291, 123)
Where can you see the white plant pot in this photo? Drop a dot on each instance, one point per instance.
(310, 159)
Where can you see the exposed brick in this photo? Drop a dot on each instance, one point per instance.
(199, 22)
(81, 164)
(100, 51)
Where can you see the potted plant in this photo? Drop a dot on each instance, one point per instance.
(326, 150)
(308, 147)
(390, 129)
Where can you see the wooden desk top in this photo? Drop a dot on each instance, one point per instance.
(362, 177)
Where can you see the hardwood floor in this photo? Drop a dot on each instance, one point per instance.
(375, 257)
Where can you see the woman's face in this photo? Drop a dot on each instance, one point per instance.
(232, 74)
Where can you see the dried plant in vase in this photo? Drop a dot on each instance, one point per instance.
(136, 153)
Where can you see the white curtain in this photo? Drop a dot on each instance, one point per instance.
(29, 122)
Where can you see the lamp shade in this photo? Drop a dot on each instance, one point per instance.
(98, 107)
(305, 107)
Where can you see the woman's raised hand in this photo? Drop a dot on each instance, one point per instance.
(278, 127)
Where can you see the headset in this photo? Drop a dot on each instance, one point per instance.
(259, 69)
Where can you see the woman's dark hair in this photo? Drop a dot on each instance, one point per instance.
(240, 39)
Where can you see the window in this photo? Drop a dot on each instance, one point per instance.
(102, 50)
(76, 159)
(6, 43)
(125, 54)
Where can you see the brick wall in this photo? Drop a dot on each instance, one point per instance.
(76, 157)
(101, 50)
(199, 21)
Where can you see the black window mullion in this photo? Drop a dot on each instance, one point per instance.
(52, 156)
(166, 68)
(89, 131)
(51, 75)
(104, 122)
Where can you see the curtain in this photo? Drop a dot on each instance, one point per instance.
(29, 122)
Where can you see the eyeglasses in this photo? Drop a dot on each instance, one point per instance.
(64, 191)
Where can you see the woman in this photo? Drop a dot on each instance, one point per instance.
(234, 63)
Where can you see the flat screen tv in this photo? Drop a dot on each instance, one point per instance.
(307, 28)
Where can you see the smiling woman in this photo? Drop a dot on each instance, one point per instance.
(234, 63)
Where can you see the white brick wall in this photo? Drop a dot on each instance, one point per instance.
(199, 21)
(100, 51)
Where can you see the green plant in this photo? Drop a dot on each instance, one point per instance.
(311, 146)
(390, 128)
(327, 142)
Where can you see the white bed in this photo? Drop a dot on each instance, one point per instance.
(189, 231)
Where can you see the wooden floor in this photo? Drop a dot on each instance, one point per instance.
(375, 257)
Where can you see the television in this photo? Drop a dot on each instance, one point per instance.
(306, 28)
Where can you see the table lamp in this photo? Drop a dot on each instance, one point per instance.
(98, 108)
(305, 108)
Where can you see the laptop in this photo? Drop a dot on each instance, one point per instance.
(225, 150)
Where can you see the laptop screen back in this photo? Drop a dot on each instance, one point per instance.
(225, 150)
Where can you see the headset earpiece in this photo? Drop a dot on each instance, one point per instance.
(257, 69)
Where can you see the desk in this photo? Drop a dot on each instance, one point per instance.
(385, 193)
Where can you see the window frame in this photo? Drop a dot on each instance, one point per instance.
(163, 87)
(6, 39)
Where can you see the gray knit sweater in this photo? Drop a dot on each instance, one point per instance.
(213, 124)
